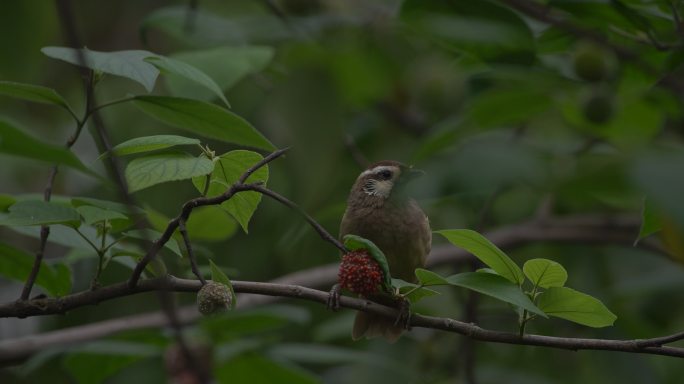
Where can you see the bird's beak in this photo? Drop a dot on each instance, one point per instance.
(412, 173)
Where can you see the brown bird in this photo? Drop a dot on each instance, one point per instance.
(379, 210)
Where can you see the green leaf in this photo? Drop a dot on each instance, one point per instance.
(92, 215)
(650, 221)
(129, 64)
(226, 65)
(34, 93)
(484, 250)
(150, 143)
(155, 169)
(204, 119)
(482, 29)
(152, 235)
(6, 201)
(16, 264)
(210, 223)
(34, 212)
(106, 204)
(428, 278)
(417, 292)
(227, 171)
(496, 287)
(15, 142)
(657, 174)
(575, 306)
(218, 276)
(97, 361)
(256, 369)
(354, 242)
(545, 273)
(65, 236)
(169, 66)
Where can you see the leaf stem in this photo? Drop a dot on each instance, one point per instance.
(108, 104)
(87, 240)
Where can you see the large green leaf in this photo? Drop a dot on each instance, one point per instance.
(150, 143)
(354, 242)
(92, 215)
(129, 64)
(15, 142)
(152, 235)
(484, 250)
(650, 221)
(226, 65)
(575, 306)
(496, 287)
(204, 119)
(256, 369)
(545, 273)
(147, 171)
(427, 278)
(17, 264)
(173, 67)
(97, 361)
(658, 175)
(106, 204)
(65, 236)
(210, 223)
(480, 28)
(227, 171)
(38, 212)
(33, 93)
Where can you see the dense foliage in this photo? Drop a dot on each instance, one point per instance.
(551, 129)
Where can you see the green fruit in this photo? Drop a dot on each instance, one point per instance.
(598, 108)
(213, 298)
(592, 63)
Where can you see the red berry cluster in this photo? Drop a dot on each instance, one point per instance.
(360, 273)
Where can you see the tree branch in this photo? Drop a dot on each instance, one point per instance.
(191, 253)
(239, 186)
(652, 346)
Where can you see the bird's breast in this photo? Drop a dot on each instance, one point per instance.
(401, 231)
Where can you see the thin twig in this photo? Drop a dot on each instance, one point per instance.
(261, 163)
(325, 235)
(191, 253)
(114, 167)
(47, 193)
(677, 19)
(187, 210)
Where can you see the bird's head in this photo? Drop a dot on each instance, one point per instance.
(384, 179)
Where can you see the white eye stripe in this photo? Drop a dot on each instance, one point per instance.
(378, 169)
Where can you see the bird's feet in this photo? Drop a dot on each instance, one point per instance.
(404, 317)
(333, 303)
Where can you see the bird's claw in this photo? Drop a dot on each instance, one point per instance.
(333, 303)
(404, 316)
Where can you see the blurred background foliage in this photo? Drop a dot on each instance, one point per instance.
(501, 109)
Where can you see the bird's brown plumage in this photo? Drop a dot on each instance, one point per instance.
(379, 210)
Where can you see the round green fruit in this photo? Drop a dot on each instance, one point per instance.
(592, 63)
(598, 108)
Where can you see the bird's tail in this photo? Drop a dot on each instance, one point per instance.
(369, 325)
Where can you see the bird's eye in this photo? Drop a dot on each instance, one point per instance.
(385, 174)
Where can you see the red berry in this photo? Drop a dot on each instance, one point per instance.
(360, 273)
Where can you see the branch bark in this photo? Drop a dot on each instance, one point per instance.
(654, 346)
(584, 229)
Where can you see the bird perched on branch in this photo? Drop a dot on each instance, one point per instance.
(379, 210)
